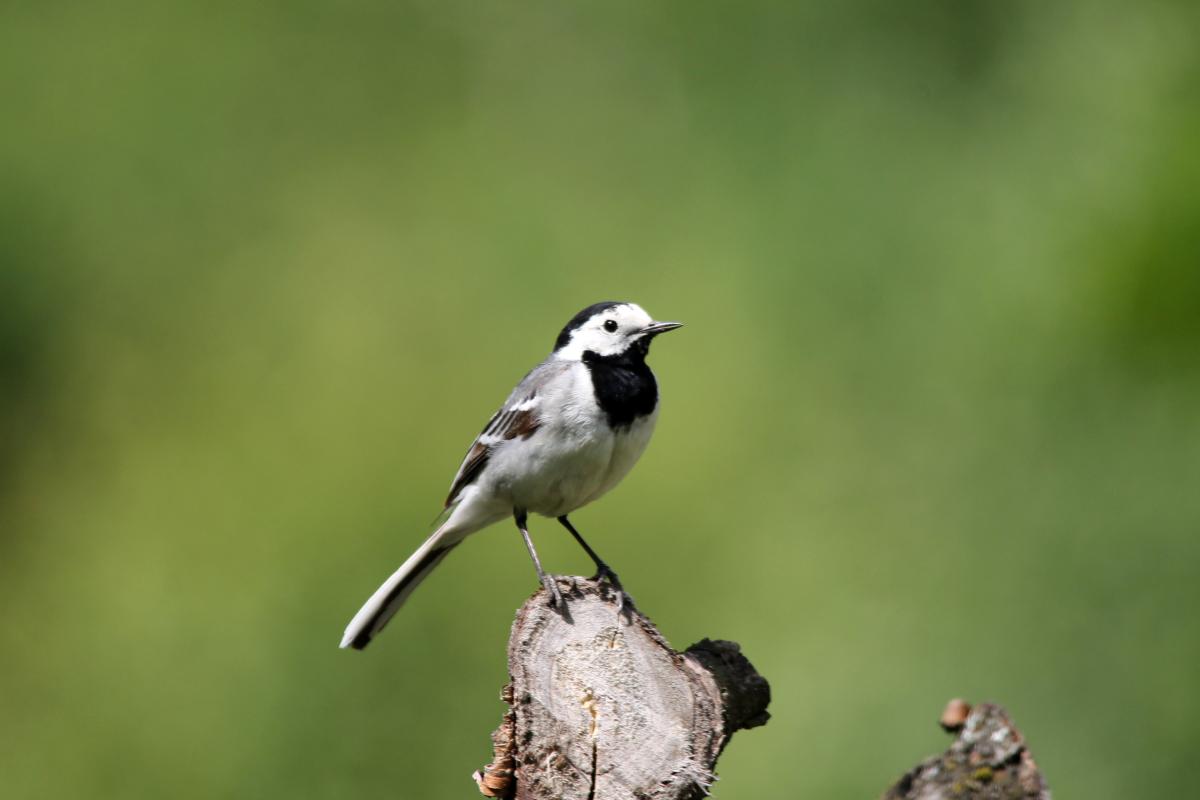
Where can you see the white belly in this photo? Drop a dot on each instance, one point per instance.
(566, 466)
(628, 446)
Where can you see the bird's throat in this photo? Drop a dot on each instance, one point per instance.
(624, 385)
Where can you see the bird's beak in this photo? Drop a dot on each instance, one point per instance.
(655, 328)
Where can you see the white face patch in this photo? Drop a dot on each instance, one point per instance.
(607, 332)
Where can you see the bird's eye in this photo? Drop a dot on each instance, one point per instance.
(610, 325)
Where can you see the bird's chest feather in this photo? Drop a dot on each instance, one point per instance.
(624, 388)
(600, 424)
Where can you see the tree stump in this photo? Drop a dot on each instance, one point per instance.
(601, 707)
(988, 761)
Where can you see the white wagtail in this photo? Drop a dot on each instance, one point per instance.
(570, 431)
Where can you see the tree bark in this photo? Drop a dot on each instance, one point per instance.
(988, 761)
(601, 707)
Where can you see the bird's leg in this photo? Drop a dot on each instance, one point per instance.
(548, 582)
(603, 571)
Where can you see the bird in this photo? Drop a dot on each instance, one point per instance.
(567, 434)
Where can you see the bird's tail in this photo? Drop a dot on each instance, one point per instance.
(388, 598)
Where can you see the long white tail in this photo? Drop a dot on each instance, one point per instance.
(388, 598)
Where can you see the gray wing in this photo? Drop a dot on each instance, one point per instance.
(519, 417)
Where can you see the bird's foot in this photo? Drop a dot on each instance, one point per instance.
(605, 573)
(550, 584)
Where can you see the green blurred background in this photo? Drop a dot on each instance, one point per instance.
(933, 427)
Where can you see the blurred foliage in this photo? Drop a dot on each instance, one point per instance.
(933, 427)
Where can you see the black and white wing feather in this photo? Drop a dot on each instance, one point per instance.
(519, 417)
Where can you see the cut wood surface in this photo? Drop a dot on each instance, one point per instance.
(601, 707)
(988, 761)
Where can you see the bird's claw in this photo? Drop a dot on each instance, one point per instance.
(550, 584)
(605, 573)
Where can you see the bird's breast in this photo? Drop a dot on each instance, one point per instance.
(578, 453)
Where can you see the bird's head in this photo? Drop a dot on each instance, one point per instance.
(610, 330)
